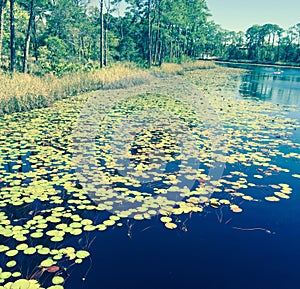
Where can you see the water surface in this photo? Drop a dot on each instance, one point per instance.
(213, 249)
(257, 247)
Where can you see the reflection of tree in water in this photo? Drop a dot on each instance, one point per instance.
(256, 85)
(265, 85)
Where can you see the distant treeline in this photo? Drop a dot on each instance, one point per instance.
(57, 36)
(268, 43)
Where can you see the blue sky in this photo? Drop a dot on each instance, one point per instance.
(239, 15)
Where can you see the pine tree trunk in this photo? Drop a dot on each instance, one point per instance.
(158, 37)
(149, 35)
(106, 46)
(156, 46)
(160, 52)
(27, 39)
(35, 44)
(12, 37)
(101, 35)
(1, 28)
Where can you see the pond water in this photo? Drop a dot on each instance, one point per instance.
(269, 83)
(258, 248)
(245, 235)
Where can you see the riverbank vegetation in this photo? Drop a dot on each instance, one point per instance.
(22, 92)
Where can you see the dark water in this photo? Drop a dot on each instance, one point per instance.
(207, 252)
(270, 83)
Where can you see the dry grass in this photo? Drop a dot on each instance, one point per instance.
(170, 68)
(173, 68)
(23, 92)
(200, 64)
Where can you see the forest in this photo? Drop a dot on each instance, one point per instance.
(59, 36)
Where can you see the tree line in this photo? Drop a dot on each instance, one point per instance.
(42, 36)
(268, 43)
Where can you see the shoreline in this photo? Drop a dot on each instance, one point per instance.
(256, 64)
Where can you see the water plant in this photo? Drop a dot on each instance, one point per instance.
(47, 212)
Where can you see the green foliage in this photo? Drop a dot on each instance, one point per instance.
(64, 35)
(53, 56)
(269, 43)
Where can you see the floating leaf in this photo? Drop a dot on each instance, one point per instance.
(21, 284)
(166, 219)
(258, 176)
(16, 274)
(296, 176)
(109, 222)
(52, 269)
(281, 195)
(248, 198)
(11, 253)
(3, 248)
(47, 263)
(29, 251)
(235, 209)
(22, 247)
(37, 235)
(170, 225)
(4, 275)
(56, 287)
(44, 251)
(82, 254)
(272, 199)
(58, 280)
(11, 264)
(76, 232)
(138, 217)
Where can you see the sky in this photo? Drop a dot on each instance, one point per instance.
(239, 15)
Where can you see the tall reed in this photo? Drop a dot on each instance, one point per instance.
(22, 92)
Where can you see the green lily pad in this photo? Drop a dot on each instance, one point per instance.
(47, 263)
(29, 251)
(11, 264)
(58, 280)
(82, 254)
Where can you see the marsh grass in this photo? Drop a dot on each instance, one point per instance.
(200, 64)
(179, 69)
(23, 92)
